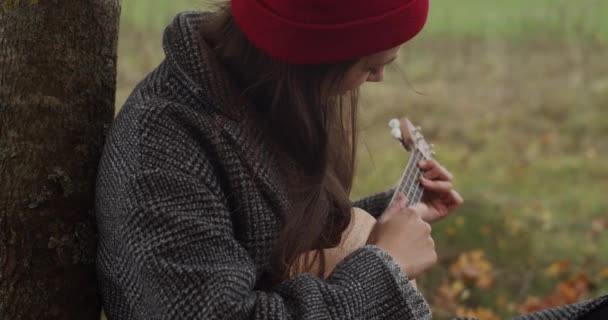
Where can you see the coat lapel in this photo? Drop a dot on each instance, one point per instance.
(211, 83)
(257, 154)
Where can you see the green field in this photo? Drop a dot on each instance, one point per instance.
(514, 94)
(472, 17)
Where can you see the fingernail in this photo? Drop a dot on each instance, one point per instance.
(401, 200)
(422, 163)
(401, 204)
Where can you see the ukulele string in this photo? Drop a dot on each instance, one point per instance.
(414, 185)
(405, 179)
(400, 185)
(418, 194)
(419, 190)
(409, 185)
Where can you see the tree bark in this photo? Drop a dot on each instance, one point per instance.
(57, 87)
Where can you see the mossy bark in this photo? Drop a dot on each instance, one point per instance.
(57, 87)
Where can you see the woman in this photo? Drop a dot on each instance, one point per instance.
(228, 171)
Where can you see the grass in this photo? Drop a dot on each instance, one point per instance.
(518, 17)
(514, 94)
(468, 17)
(524, 130)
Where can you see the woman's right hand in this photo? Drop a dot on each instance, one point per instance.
(402, 233)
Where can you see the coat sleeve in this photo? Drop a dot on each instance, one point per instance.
(375, 204)
(181, 260)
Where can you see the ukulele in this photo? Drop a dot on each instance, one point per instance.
(356, 234)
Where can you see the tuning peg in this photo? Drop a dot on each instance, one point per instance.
(396, 133)
(432, 146)
(394, 123)
(418, 129)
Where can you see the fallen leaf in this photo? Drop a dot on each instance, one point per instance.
(557, 268)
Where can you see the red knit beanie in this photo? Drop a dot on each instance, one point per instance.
(328, 31)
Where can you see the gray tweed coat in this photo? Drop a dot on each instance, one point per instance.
(188, 203)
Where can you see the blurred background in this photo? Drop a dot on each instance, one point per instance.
(514, 94)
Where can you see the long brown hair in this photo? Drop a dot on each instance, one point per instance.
(313, 127)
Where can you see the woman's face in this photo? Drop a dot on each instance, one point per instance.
(369, 68)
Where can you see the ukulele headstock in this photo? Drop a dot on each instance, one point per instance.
(410, 137)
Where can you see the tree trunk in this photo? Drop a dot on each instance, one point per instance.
(57, 86)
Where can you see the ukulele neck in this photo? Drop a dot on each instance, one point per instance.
(409, 184)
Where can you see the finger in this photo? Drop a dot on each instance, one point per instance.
(399, 201)
(420, 209)
(434, 171)
(397, 204)
(455, 200)
(428, 164)
(438, 173)
(434, 174)
(438, 186)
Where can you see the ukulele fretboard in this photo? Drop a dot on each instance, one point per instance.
(409, 184)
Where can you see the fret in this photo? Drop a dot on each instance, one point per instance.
(413, 182)
(412, 140)
(409, 184)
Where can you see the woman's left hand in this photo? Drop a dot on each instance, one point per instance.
(439, 193)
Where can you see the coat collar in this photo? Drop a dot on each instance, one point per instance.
(210, 83)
